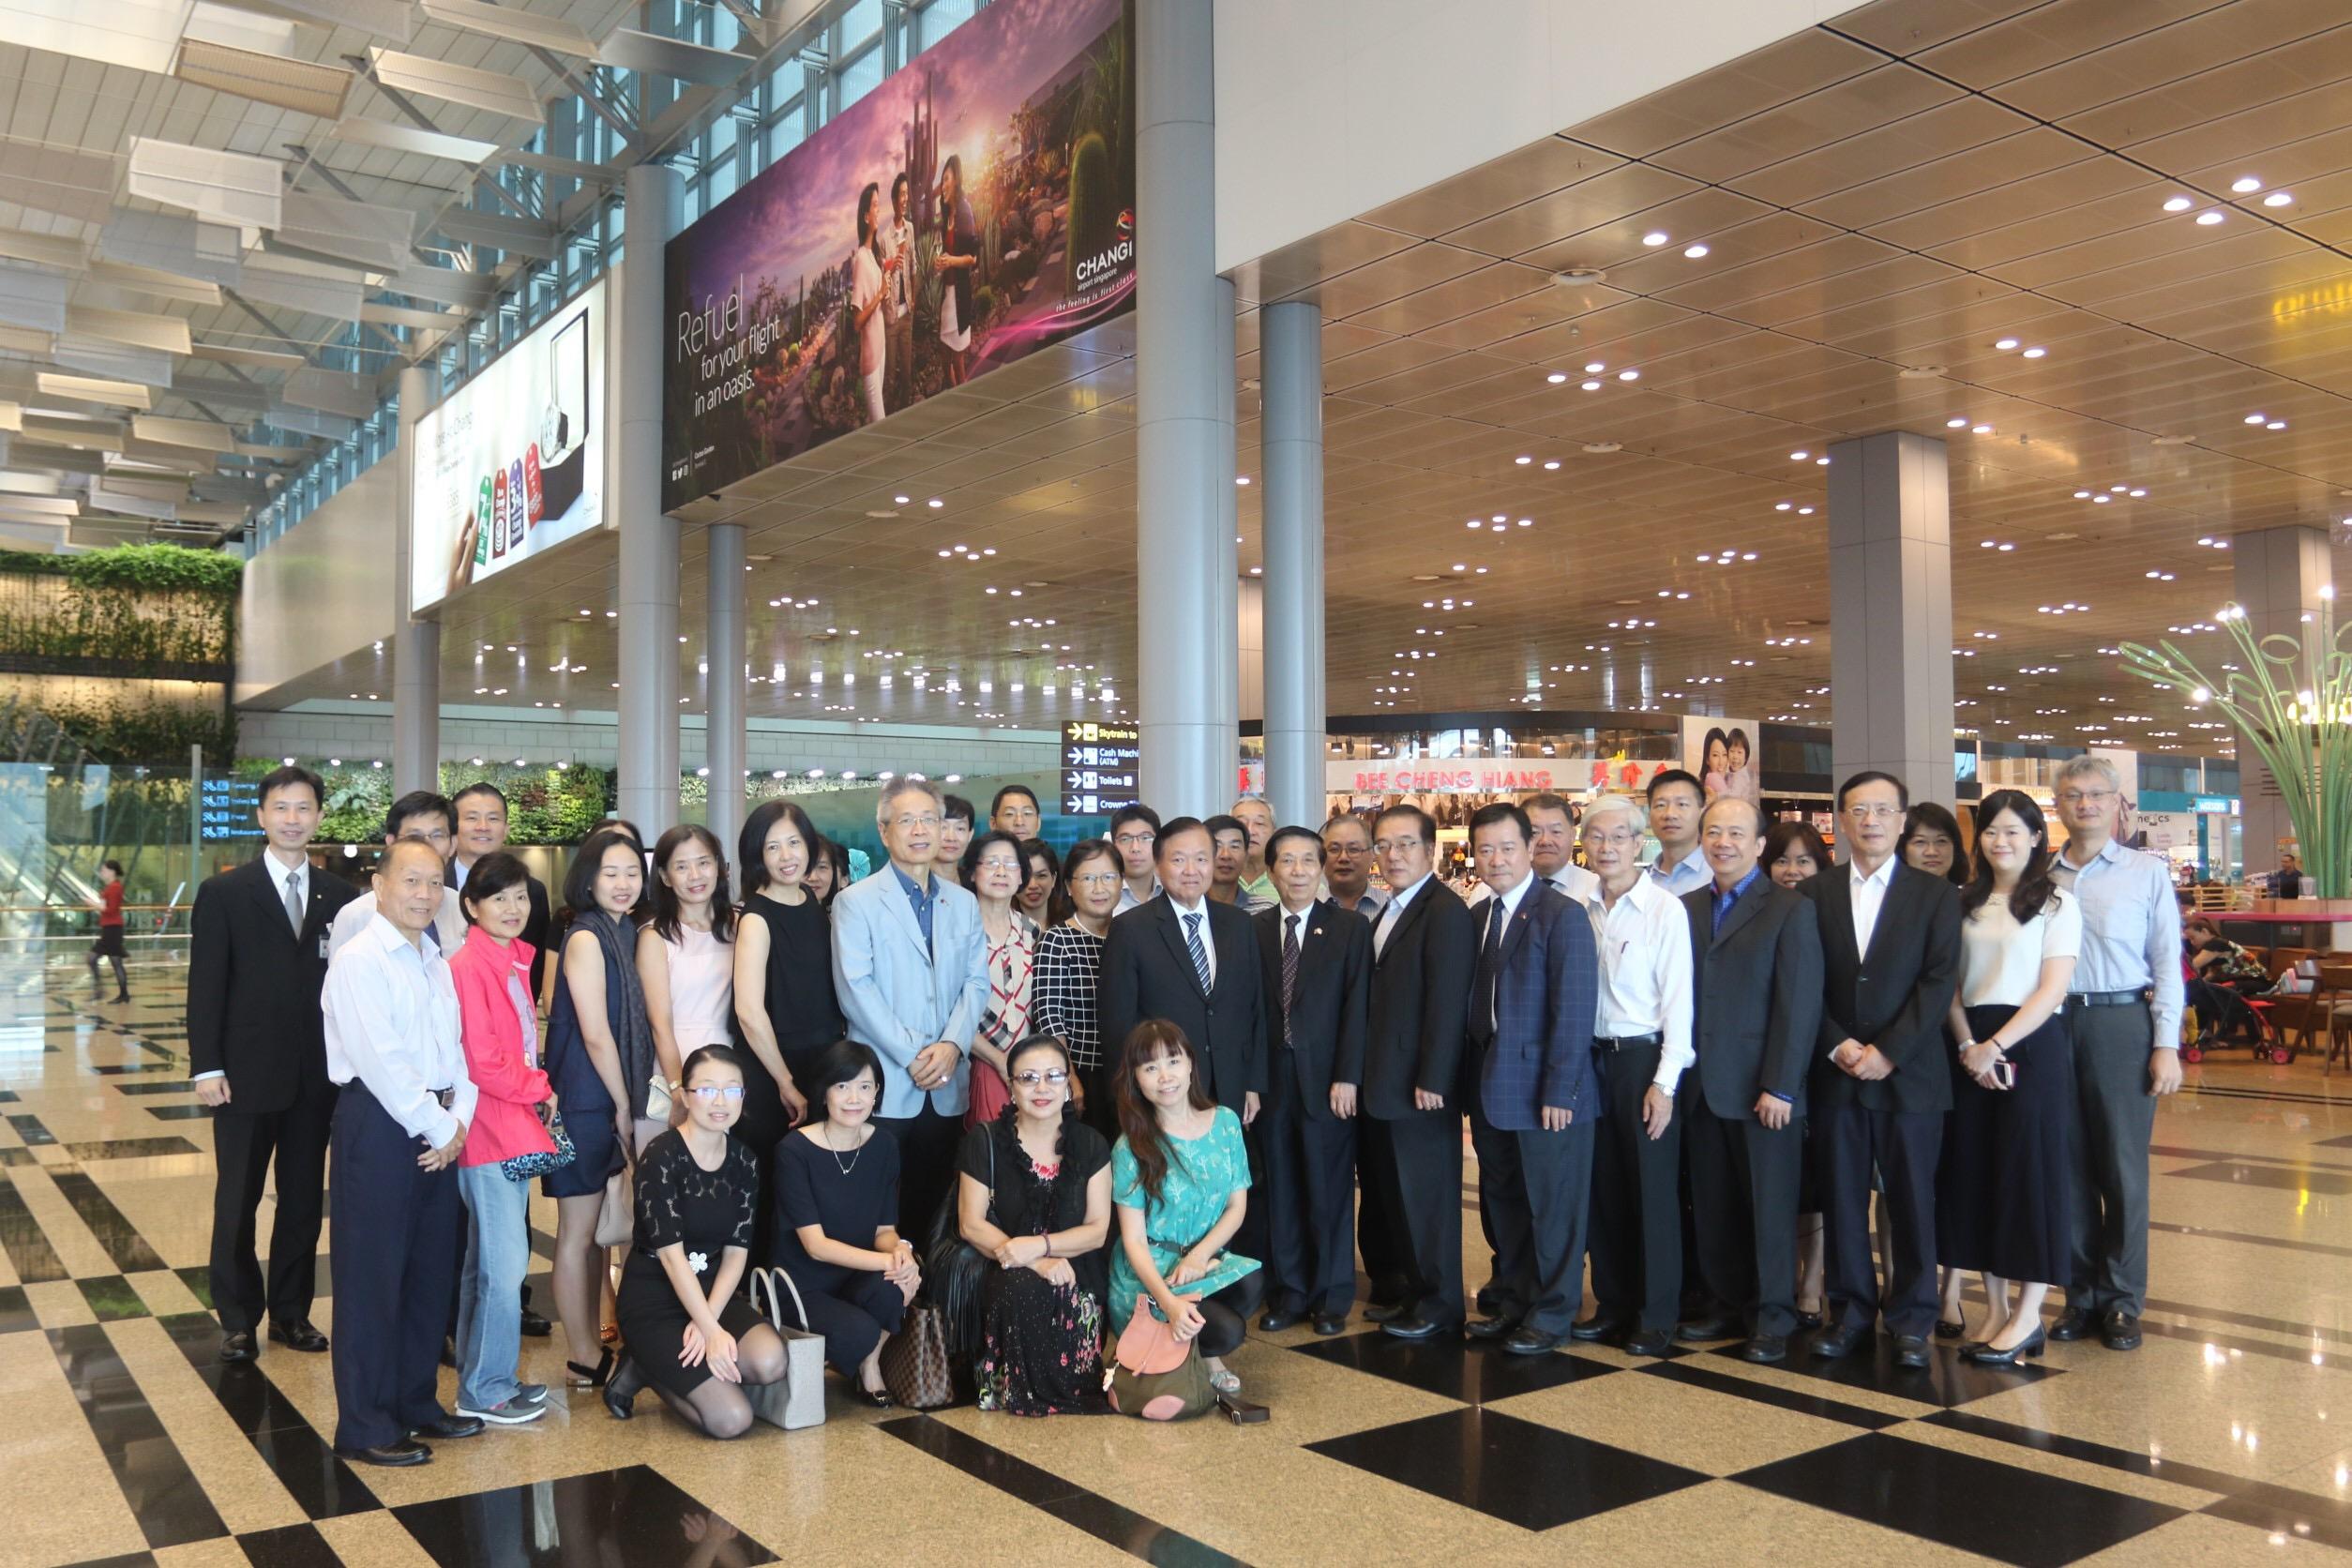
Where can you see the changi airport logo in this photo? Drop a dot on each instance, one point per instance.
(1109, 264)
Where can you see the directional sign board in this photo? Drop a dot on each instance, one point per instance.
(225, 808)
(1099, 772)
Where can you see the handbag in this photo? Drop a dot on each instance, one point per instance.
(658, 1098)
(796, 1399)
(616, 1222)
(915, 1367)
(524, 1167)
(1154, 1374)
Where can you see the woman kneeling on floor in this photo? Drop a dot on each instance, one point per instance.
(1035, 1199)
(689, 1334)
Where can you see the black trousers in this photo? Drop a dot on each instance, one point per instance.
(392, 1281)
(1539, 1186)
(1849, 1141)
(1636, 1198)
(1224, 1317)
(1380, 1233)
(1418, 1162)
(1310, 1177)
(244, 1144)
(927, 1168)
(1744, 1184)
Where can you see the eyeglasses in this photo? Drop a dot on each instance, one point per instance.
(1030, 1078)
(1616, 840)
(711, 1094)
(1096, 879)
(911, 820)
(1136, 841)
(1882, 813)
(2078, 797)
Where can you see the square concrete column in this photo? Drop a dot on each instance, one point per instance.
(1891, 610)
(2281, 575)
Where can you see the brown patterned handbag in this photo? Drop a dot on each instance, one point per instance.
(915, 1365)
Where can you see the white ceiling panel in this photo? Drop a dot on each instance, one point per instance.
(494, 92)
(222, 187)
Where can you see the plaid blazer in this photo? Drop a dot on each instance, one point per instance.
(1546, 995)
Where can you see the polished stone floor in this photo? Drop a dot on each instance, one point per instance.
(2226, 1438)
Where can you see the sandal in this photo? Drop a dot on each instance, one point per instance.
(608, 1334)
(585, 1377)
(1226, 1382)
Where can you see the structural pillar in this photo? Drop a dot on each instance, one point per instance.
(1290, 349)
(726, 683)
(1891, 610)
(2280, 577)
(1187, 685)
(415, 644)
(648, 595)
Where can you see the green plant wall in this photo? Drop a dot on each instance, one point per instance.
(544, 805)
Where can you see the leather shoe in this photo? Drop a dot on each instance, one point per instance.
(1832, 1344)
(2118, 1331)
(448, 1427)
(1415, 1326)
(1330, 1323)
(1486, 1300)
(238, 1347)
(408, 1451)
(1595, 1329)
(1275, 1320)
(1492, 1327)
(298, 1336)
(1910, 1350)
(1946, 1329)
(1707, 1328)
(1528, 1341)
(2072, 1325)
(1384, 1312)
(1648, 1342)
(1765, 1348)
(534, 1325)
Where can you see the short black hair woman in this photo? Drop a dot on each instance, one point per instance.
(689, 1334)
(1930, 843)
(1034, 1199)
(1180, 1181)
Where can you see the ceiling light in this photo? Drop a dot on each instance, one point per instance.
(935, 502)
(2035, 354)
(2206, 219)
(1557, 377)
(1593, 387)
(1980, 429)
(2277, 198)
(1240, 478)
(2180, 203)
(1782, 506)
(2275, 425)
(2005, 344)
(1551, 464)
(1595, 368)
(2082, 495)
(1955, 424)
(1799, 456)
(2245, 185)
(1629, 375)
(1654, 237)
(1694, 251)
(1523, 460)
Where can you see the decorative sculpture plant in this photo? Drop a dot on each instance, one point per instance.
(2290, 700)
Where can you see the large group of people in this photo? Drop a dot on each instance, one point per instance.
(1184, 1073)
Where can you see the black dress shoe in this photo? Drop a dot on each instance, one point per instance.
(1832, 1344)
(1330, 1323)
(1415, 1326)
(2025, 1350)
(449, 1426)
(408, 1451)
(1529, 1341)
(1809, 1319)
(1275, 1320)
(1596, 1329)
(238, 1347)
(1492, 1327)
(1384, 1312)
(1648, 1342)
(620, 1389)
(2073, 1324)
(1910, 1350)
(1486, 1300)
(1763, 1349)
(534, 1325)
(1945, 1330)
(1707, 1328)
(2118, 1331)
(298, 1336)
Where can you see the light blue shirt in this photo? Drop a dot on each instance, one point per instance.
(1689, 875)
(2130, 930)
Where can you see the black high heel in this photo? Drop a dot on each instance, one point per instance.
(585, 1377)
(1947, 1330)
(2025, 1350)
(878, 1397)
(620, 1391)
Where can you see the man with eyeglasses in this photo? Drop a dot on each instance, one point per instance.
(1881, 1083)
(1347, 865)
(2123, 1015)
(1135, 830)
(910, 968)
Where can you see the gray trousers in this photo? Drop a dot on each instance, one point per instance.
(2115, 1119)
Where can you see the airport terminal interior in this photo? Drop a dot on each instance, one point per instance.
(657, 409)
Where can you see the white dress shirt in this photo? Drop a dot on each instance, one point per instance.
(391, 1013)
(1645, 944)
(1391, 913)
(1869, 896)
(1208, 943)
(448, 925)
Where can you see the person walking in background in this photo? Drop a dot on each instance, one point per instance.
(257, 1054)
(1069, 975)
(110, 930)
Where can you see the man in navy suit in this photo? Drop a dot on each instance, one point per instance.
(1528, 1039)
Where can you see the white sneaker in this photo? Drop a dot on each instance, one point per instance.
(514, 1412)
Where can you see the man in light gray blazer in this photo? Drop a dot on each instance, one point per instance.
(910, 968)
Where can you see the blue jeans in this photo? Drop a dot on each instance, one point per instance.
(489, 1289)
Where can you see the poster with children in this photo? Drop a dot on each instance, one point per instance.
(1722, 753)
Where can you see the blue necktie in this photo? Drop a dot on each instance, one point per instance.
(1199, 954)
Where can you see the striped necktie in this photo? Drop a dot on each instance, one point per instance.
(1199, 954)
(1289, 969)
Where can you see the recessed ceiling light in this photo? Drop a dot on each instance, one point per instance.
(2277, 198)
(1551, 462)
(2180, 203)
(1799, 456)
(2035, 354)
(1557, 377)
(1955, 424)
(1980, 429)
(899, 499)
(1523, 460)
(1240, 478)
(1593, 387)
(2254, 418)
(2005, 344)
(1654, 237)
(935, 502)
(2275, 425)
(1594, 368)
(1694, 251)
(2208, 219)
(1629, 375)
(2245, 185)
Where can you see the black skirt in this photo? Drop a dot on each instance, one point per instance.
(2004, 1192)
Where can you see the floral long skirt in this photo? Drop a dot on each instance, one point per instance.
(1042, 1355)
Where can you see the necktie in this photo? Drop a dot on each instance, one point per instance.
(1290, 969)
(293, 902)
(1199, 954)
(1482, 1019)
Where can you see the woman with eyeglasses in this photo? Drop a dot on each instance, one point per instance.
(1069, 965)
(689, 1334)
(2004, 1194)
(994, 870)
(836, 1217)
(1034, 1199)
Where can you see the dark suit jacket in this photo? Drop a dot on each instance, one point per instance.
(253, 989)
(1147, 973)
(535, 931)
(1327, 1010)
(1895, 996)
(1546, 994)
(1421, 984)
(1756, 1008)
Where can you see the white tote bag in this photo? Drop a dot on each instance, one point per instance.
(798, 1398)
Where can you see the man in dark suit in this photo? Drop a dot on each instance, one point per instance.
(1889, 962)
(1189, 960)
(1316, 961)
(1537, 1095)
(1756, 976)
(1425, 946)
(257, 1053)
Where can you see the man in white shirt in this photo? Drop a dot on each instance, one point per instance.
(1641, 1032)
(391, 1015)
(427, 816)
(1675, 803)
(1134, 832)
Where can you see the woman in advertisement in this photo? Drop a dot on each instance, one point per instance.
(866, 300)
(958, 254)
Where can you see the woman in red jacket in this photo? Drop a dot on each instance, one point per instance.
(508, 1143)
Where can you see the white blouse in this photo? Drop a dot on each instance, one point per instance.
(2000, 960)
(702, 989)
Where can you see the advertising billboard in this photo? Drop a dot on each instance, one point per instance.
(976, 206)
(512, 462)
(1722, 752)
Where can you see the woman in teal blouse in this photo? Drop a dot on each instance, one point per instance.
(1180, 1183)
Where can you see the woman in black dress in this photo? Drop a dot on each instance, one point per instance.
(689, 1334)
(1035, 1199)
(836, 1217)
